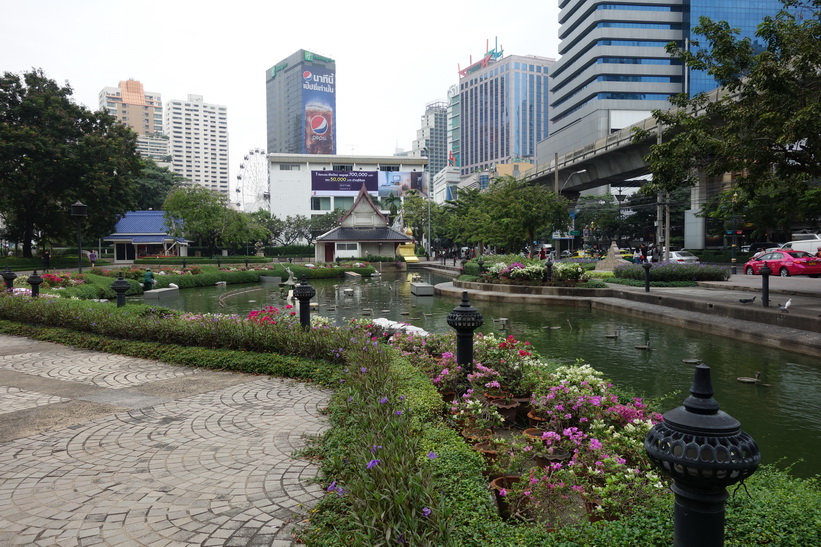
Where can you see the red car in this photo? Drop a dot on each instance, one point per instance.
(786, 262)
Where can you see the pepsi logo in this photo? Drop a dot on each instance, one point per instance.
(319, 124)
(307, 75)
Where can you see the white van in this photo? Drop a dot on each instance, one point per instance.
(807, 245)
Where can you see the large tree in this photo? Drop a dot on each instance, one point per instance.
(53, 153)
(154, 183)
(201, 214)
(767, 128)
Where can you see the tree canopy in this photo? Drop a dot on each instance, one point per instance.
(767, 129)
(54, 153)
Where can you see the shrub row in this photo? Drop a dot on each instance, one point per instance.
(670, 271)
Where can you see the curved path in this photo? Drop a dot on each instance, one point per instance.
(101, 449)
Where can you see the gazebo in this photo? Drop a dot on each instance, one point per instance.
(144, 233)
(362, 231)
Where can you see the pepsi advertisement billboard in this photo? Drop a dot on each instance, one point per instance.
(318, 105)
(343, 183)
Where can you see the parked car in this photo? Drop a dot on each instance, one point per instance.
(810, 246)
(684, 257)
(755, 247)
(785, 262)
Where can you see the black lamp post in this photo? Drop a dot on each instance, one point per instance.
(481, 263)
(79, 212)
(35, 280)
(8, 278)
(765, 272)
(704, 450)
(304, 292)
(120, 286)
(548, 270)
(733, 250)
(465, 319)
(646, 267)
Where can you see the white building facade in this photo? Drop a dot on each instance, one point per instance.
(142, 111)
(198, 141)
(316, 184)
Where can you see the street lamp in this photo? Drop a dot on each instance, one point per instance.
(732, 252)
(558, 191)
(704, 450)
(465, 319)
(430, 195)
(579, 172)
(79, 212)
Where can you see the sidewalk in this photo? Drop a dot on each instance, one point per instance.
(103, 449)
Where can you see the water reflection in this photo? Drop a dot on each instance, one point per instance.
(783, 418)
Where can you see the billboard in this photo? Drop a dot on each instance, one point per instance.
(377, 183)
(343, 183)
(318, 105)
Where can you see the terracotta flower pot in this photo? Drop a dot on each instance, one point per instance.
(535, 419)
(533, 433)
(477, 435)
(488, 450)
(501, 486)
(545, 459)
(507, 409)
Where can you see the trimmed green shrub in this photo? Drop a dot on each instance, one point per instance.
(672, 271)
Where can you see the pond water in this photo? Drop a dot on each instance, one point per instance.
(782, 417)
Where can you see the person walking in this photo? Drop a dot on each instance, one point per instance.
(148, 280)
(92, 257)
(46, 261)
(636, 256)
(643, 252)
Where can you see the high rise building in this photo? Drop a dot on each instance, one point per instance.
(614, 69)
(454, 127)
(504, 113)
(142, 111)
(300, 96)
(198, 139)
(432, 137)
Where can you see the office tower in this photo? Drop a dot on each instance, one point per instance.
(300, 95)
(142, 111)
(614, 69)
(431, 138)
(454, 127)
(503, 109)
(198, 139)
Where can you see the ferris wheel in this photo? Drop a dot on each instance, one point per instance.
(252, 190)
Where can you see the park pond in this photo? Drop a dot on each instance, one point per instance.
(782, 415)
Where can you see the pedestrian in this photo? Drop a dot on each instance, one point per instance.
(643, 252)
(818, 254)
(542, 254)
(46, 261)
(636, 256)
(92, 257)
(148, 280)
(654, 255)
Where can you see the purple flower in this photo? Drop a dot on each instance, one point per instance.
(426, 511)
(373, 463)
(363, 369)
(383, 400)
(398, 412)
(432, 455)
(331, 487)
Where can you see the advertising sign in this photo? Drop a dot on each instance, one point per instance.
(399, 183)
(342, 183)
(318, 104)
(377, 183)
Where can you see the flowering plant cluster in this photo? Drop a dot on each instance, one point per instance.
(273, 315)
(472, 412)
(568, 271)
(137, 273)
(511, 359)
(450, 374)
(531, 271)
(62, 280)
(509, 270)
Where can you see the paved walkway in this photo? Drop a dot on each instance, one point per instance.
(101, 449)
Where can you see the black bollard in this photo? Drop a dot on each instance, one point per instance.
(465, 319)
(481, 266)
(35, 280)
(219, 261)
(548, 270)
(246, 261)
(120, 286)
(304, 292)
(765, 272)
(646, 267)
(704, 450)
(8, 278)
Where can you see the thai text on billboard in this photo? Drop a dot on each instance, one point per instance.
(377, 183)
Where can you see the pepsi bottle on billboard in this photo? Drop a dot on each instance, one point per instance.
(319, 128)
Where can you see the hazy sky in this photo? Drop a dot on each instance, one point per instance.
(392, 58)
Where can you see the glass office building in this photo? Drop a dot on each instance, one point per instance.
(503, 110)
(614, 69)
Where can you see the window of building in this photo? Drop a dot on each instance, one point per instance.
(346, 246)
(343, 202)
(321, 203)
(342, 167)
(389, 168)
(289, 167)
